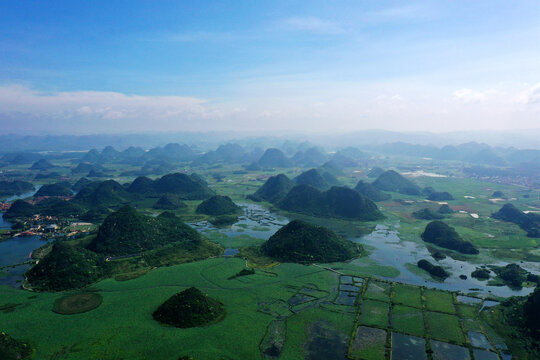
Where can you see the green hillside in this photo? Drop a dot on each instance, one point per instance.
(338, 202)
(169, 202)
(393, 181)
(274, 189)
(302, 242)
(218, 205)
(314, 178)
(102, 194)
(8, 188)
(371, 192)
(66, 267)
(189, 308)
(528, 222)
(127, 232)
(427, 214)
(274, 158)
(57, 189)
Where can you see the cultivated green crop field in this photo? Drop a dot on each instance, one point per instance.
(304, 298)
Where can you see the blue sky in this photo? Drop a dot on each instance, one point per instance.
(110, 66)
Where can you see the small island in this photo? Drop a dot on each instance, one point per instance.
(435, 271)
(443, 235)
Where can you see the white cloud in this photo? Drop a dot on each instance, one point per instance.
(399, 14)
(267, 105)
(468, 96)
(313, 24)
(533, 95)
(111, 111)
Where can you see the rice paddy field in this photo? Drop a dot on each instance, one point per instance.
(289, 311)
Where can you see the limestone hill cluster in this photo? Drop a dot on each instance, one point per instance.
(93, 199)
(308, 198)
(123, 233)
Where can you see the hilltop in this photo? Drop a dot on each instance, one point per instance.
(314, 178)
(227, 153)
(393, 181)
(427, 214)
(301, 242)
(339, 202)
(127, 232)
(186, 187)
(443, 235)
(310, 157)
(102, 194)
(142, 185)
(66, 267)
(274, 189)
(189, 308)
(8, 188)
(375, 172)
(332, 167)
(274, 158)
(440, 196)
(445, 209)
(371, 192)
(57, 189)
(82, 182)
(41, 164)
(218, 205)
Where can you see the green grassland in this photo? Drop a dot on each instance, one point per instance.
(122, 327)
